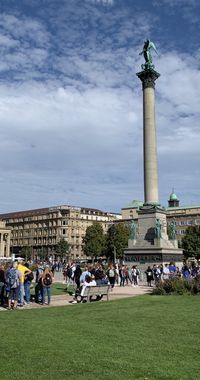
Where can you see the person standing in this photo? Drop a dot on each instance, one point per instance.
(166, 272)
(13, 283)
(134, 276)
(77, 275)
(2, 284)
(122, 273)
(47, 279)
(22, 270)
(99, 275)
(138, 274)
(38, 281)
(172, 270)
(156, 273)
(185, 271)
(28, 277)
(149, 274)
(111, 275)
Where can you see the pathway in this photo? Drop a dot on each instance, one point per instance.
(117, 293)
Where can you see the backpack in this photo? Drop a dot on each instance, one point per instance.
(47, 280)
(29, 276)
(111, 273)
(13, 278)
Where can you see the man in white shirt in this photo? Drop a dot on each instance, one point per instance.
(165, 272)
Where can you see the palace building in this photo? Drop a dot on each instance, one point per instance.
(42, 229)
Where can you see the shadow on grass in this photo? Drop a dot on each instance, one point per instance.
(67, 290)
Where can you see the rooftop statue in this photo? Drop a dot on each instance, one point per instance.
(148, 45)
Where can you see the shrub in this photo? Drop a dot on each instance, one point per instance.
(196, 285)
(178, 286)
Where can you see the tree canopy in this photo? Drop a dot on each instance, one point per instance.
(191, 242)
(116, 240)
(94, 240)
(62, 247)
(26, 252)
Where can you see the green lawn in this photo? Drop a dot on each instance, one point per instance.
(57, 289)
(148, 337)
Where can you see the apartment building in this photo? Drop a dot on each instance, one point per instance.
(41, 229)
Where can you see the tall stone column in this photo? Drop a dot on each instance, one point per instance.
(151, 244)
(148, 78)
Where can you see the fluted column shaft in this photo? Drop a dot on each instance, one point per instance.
(148, 78)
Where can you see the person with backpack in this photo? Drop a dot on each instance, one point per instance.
(28, 278)
(156, 273)
(13, 283)
(47, 280)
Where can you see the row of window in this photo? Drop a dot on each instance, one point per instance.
(180, 232)
(186, 222)
(33, 218)
(35, 241)
(37, 225)
(33, 233)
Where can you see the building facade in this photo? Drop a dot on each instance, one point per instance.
(5, 234)
(182, 216)
(42, 229)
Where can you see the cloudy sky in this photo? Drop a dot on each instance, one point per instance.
(71, 104)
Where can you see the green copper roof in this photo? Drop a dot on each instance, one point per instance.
(173, 197)
(181, 208)
(134, 204)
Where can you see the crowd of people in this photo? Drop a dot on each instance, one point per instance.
(164, 272)
(98, 274)
(17, 279)
(103, 274)
(15, 284)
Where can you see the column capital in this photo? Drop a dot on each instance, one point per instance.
(148, 78)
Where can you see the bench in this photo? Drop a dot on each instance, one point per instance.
(99, 290)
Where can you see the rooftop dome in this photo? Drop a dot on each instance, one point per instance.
(173, 197)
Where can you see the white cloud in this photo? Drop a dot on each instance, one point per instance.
(175, 3)
(102, 2)
(71, 110)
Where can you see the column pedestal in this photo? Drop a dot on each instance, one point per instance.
(147, 249)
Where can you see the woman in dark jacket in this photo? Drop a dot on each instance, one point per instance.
(2, 284)
(77, 275)
(149, 274)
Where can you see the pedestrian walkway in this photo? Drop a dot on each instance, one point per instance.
(117, 293)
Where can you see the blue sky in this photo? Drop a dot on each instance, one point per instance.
(71, 104)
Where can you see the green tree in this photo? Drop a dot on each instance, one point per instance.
(94, 240)
(191, 242)
(62, 248)
(26, 252)
(116, 240)
(42, 253)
